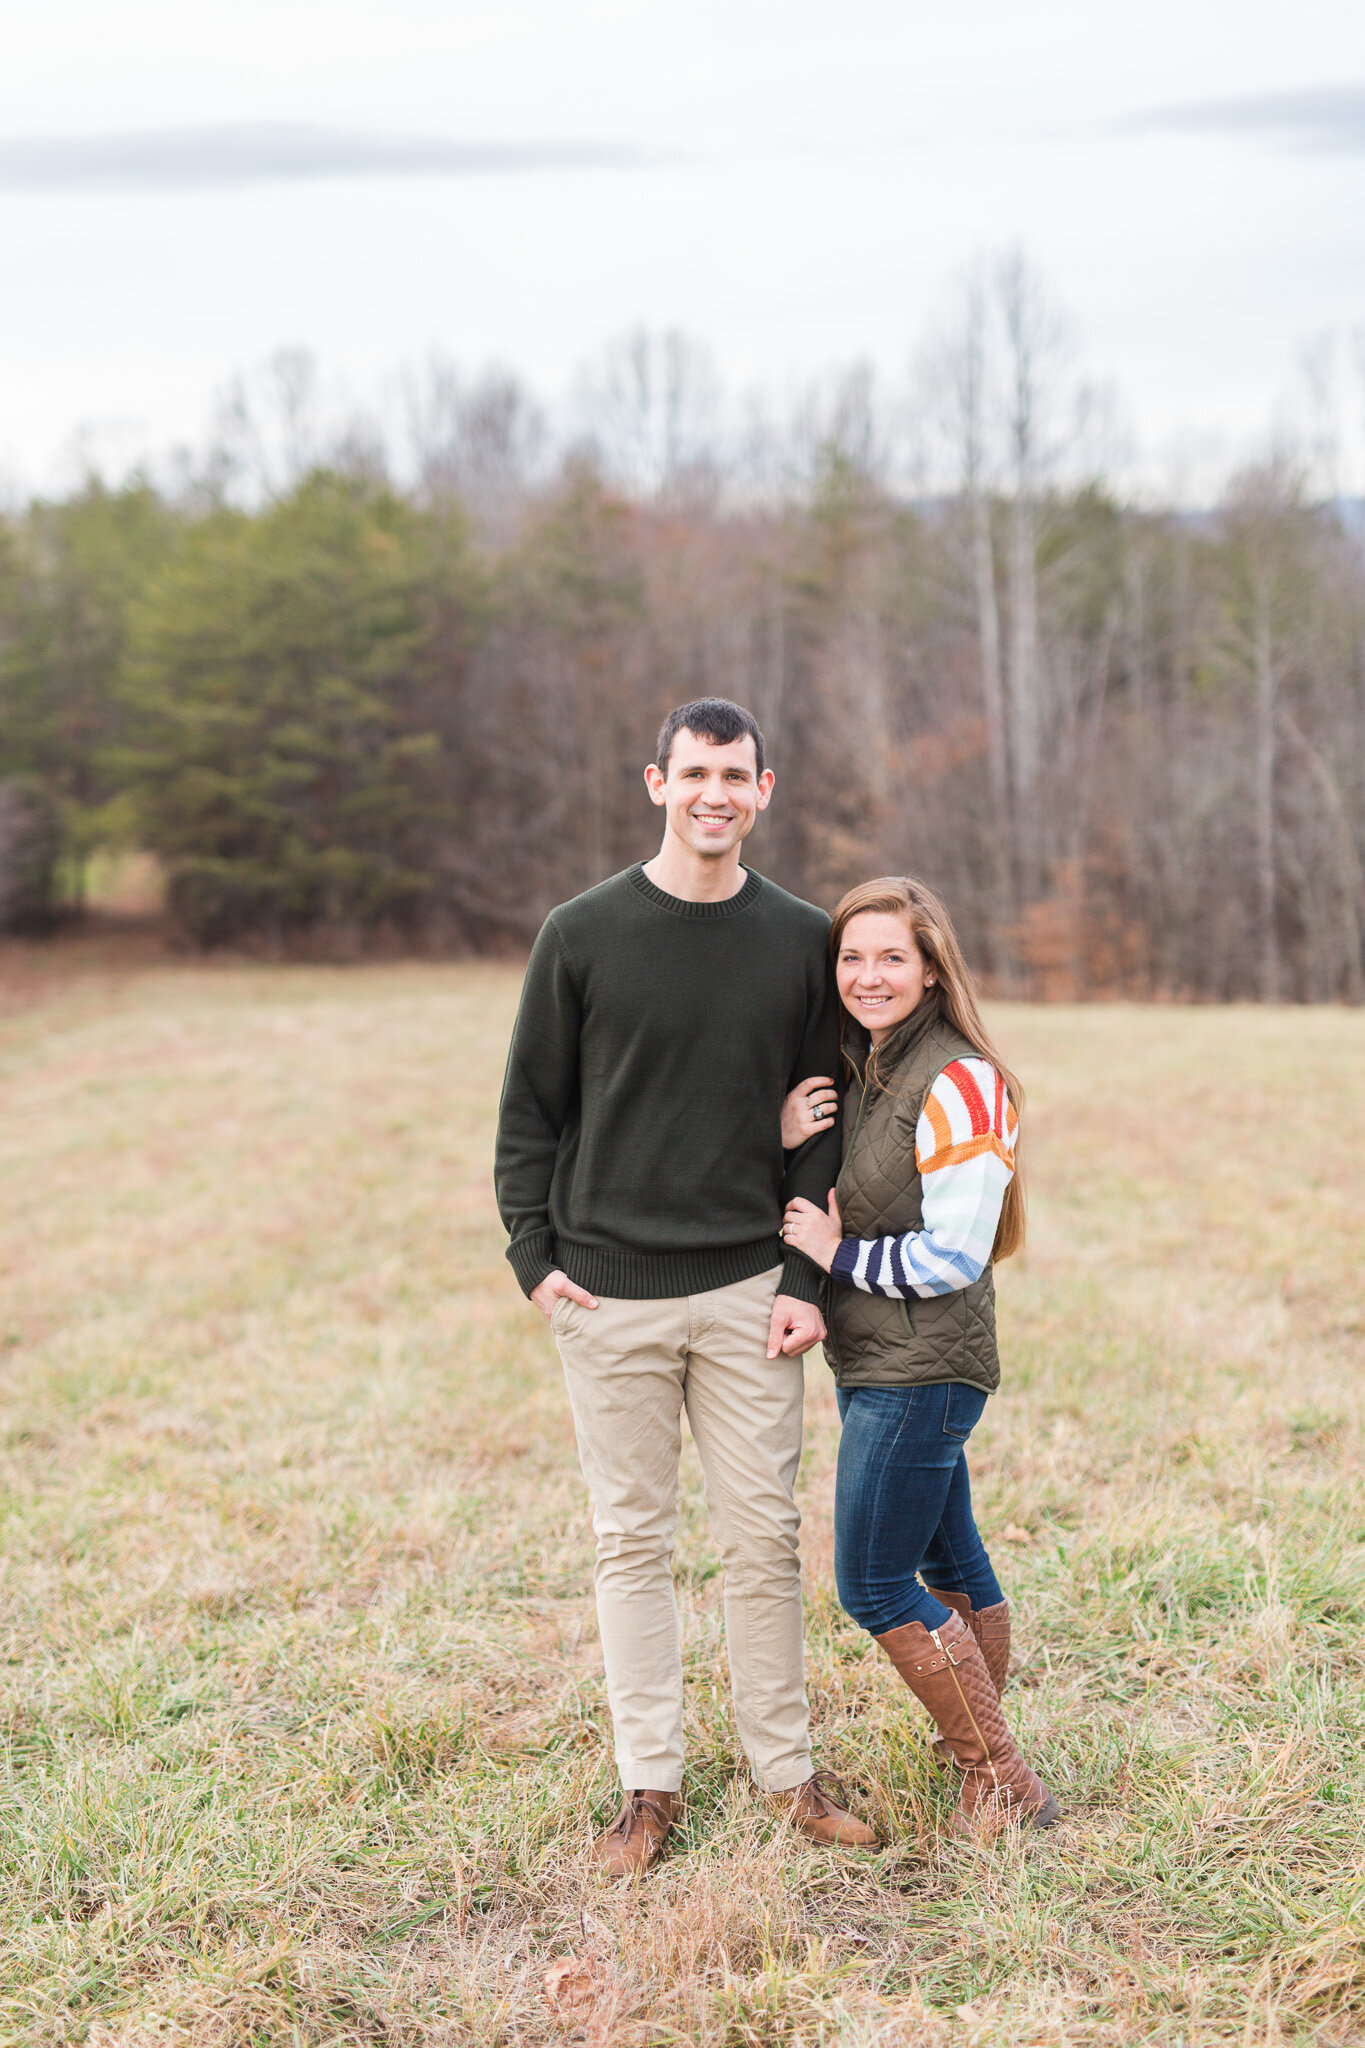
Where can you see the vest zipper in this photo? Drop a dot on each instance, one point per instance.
(862, 1105)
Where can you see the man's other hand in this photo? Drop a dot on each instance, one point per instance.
(554, 1284)
(796, 1325)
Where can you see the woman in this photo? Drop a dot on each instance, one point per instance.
(927, 1197)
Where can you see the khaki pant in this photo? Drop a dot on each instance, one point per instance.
(631, 1368)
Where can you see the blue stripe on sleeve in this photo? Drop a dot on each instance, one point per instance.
(844, 1265)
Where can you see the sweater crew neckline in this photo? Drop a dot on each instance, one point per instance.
(682, 906)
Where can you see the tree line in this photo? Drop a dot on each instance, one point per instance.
(350, 703)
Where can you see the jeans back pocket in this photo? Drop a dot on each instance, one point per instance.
(962, 1409)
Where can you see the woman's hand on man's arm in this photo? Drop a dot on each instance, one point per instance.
(813, 1231)
(808, 1110)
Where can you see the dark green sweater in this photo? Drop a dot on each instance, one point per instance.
(639, 1140)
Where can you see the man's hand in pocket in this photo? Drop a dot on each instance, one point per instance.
(556, 1284)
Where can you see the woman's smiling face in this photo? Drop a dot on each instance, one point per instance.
(880, 970)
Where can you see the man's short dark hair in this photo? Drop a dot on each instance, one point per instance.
(710, 718)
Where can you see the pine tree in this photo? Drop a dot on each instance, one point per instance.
(283, 766)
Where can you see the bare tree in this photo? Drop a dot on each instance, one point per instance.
(954, 375)
(482, 445)
(269, 421)
(1264, 519)
(1264, 785)
(1350, 870)
(652, 411)
(1033, 342)
(275, 423)
(1320, 378)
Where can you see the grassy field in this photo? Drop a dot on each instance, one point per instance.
(302, 1703)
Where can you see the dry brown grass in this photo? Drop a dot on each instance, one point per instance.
(303, 1704)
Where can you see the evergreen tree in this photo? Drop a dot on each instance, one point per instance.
(276, 683)
(68, 575)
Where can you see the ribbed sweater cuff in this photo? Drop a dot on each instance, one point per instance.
(800, 1278)
(844, 1260)
(531, 1258)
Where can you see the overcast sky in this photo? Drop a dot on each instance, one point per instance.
(184, 189)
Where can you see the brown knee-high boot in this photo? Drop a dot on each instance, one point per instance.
(945, 1669)
(990, 1626)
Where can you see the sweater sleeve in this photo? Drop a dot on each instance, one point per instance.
(538, 1091)
(814, 1167)
(964, 1148)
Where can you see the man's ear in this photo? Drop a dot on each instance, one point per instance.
(765, 788)
(654, 783)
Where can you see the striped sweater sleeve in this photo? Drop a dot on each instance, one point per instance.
(964, 1147)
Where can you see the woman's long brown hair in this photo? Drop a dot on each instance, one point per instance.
(955, 993)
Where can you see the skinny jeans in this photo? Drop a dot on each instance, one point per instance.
(903, 1505)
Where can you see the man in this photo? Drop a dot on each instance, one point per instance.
(664, 1016)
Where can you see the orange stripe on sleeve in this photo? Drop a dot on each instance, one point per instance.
(972, 1148)
(942, 1129)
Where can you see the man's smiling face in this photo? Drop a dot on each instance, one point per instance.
(712, 794)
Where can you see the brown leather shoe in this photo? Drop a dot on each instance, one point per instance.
(991, 1627)
(635, 1838)
(818, 1813)
(945, 1669)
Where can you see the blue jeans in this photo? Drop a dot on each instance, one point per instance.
(903, 1505)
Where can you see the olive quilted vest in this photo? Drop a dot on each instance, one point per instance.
(876, 1341)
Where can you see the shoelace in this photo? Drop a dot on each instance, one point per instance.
(636, 1805)
(825, 1784)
